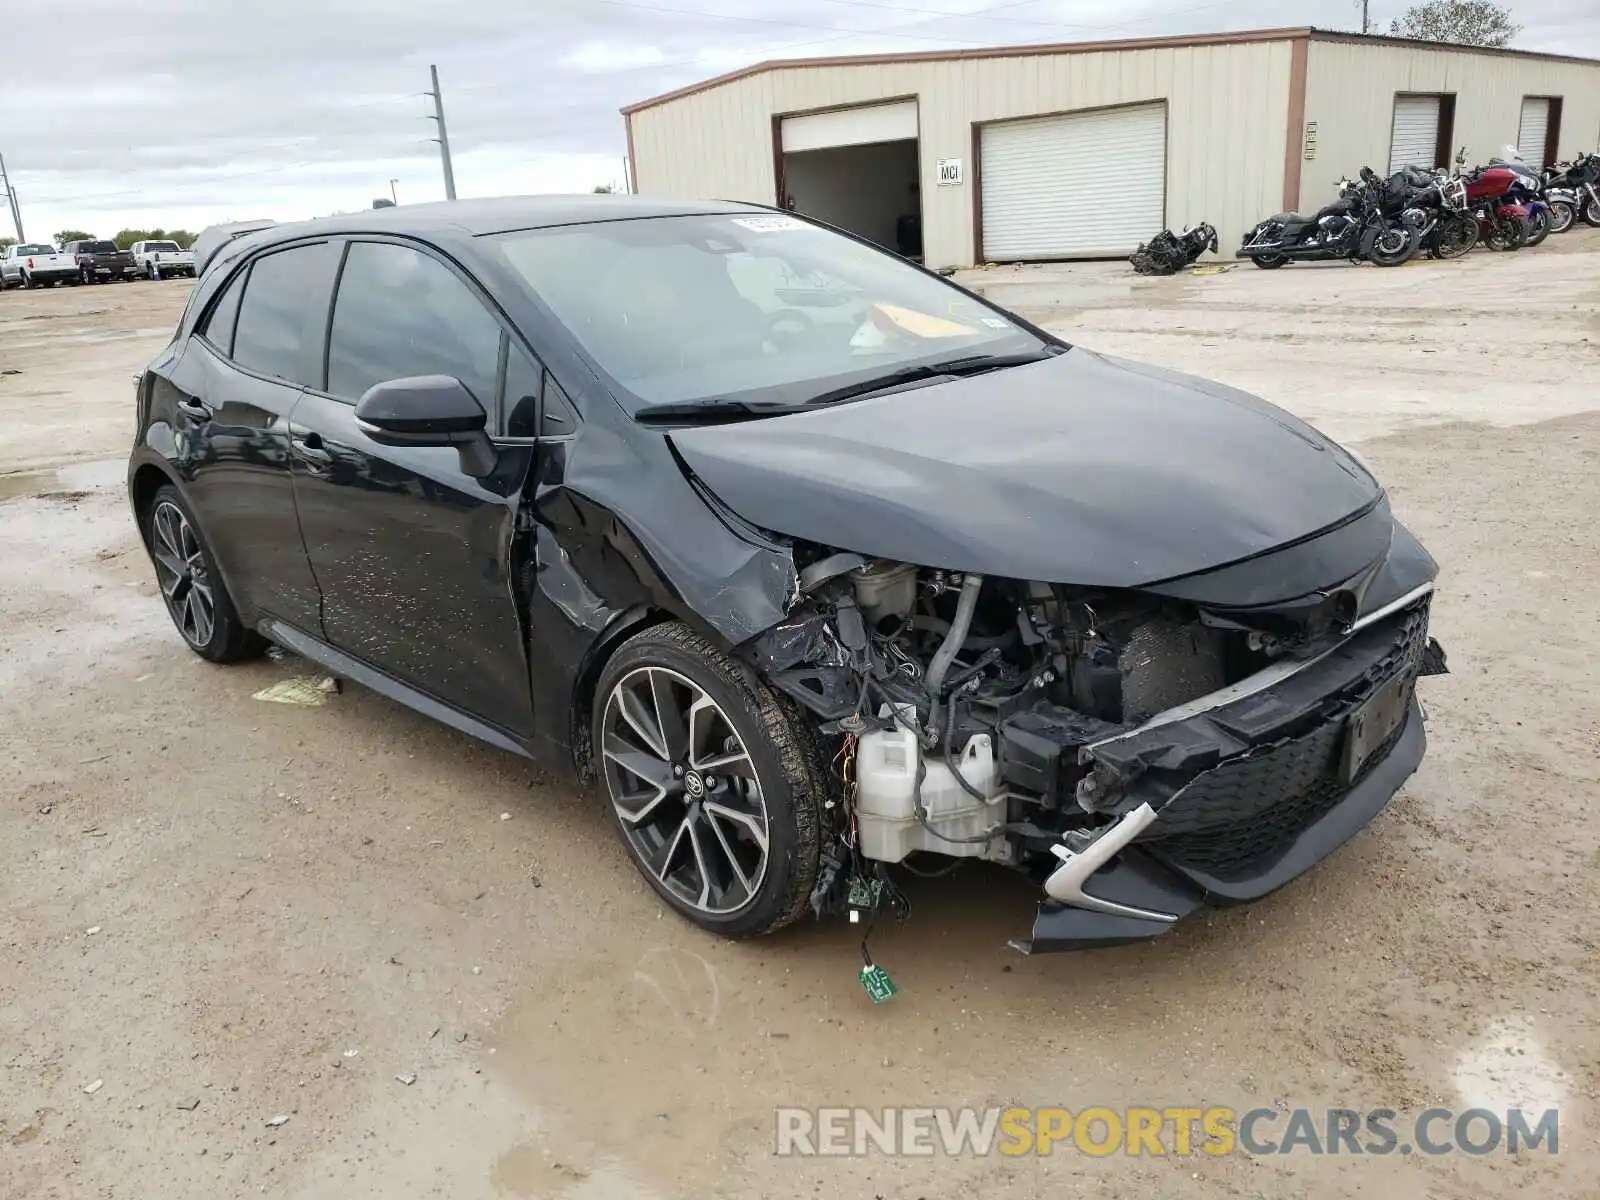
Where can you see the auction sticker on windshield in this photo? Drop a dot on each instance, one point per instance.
(769, 224)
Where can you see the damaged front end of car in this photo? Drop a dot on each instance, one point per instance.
(1139, 752)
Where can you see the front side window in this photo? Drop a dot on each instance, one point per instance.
(756, 307)
(401, 313)
(279, 317)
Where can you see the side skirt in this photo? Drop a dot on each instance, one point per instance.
(346, 667)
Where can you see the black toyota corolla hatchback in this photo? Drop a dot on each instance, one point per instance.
(816, 562)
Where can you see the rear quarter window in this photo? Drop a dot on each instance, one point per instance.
(217, 325)
(283, 312)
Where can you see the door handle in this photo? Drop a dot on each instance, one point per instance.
(198, 409)
(309, 450)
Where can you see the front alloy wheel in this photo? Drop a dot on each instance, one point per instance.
(712, 780)
(1455, 237)
(1392, 247)
(685, 790)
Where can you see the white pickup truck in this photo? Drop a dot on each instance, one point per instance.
(29, 264)
(162, 260)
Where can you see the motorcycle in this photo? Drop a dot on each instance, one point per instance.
(1435, 204)
(1525, 193)
(1353, 227)
(1168, 253)
(1502, 223)
(1550, 187)
(1582, 176)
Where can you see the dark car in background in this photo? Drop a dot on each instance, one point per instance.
(99, 260)
(817, 562)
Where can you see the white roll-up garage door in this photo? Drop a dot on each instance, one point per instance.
(1533, 130)
(858, 126)
(1074, 186)
(1414, 139)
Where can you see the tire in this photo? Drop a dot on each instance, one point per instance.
(1455, 237)
(1591, 211)
(186, 571)
(1387, 251)
(729, 765)
(27, 282)
(1268, 262)
(1506, 233)
(1538, 228)
(1562, 215)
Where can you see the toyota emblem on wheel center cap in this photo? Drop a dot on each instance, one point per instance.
(693, 784)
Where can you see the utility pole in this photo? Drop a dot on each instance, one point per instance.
(1366, 25)
(444, 138)
(11, 196)
(392, 194)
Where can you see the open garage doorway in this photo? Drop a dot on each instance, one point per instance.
(856, 168)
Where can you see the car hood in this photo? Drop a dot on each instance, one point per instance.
(1079, 469)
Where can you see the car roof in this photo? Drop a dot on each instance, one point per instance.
(504, 214)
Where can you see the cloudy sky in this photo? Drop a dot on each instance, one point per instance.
(180, 113)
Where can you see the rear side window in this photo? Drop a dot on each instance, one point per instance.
(279, 327)
(401, 313)
(217, 328)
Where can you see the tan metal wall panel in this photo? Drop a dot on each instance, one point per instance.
(1227, 107)
(1351, 86)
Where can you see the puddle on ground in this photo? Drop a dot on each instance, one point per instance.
(67, 482)
(1509, 1067)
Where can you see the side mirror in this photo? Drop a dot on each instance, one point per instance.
(429, 410)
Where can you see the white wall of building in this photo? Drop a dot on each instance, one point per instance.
(1232, 116)
(1227, 102)
(1350, 90)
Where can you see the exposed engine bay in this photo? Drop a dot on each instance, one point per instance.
(970, 713)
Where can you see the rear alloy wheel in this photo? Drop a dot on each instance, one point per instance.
(195, 596)
(1591, 211)
(713, 781)
(1268, 262)
(1562, 214)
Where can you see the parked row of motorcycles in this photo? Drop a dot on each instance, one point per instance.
(1505, 205)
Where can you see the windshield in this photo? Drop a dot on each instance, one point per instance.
(165, 247)
(35, 248)
(757, 307)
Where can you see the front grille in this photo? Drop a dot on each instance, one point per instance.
(1237, 819)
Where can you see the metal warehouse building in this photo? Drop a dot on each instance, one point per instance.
(1085, 149)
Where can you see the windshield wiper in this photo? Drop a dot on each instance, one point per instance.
(967, 364)
(722, 412)
(710, 412)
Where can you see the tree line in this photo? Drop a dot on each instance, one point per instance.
(126, 237)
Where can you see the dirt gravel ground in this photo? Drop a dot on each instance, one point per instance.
(226, 911)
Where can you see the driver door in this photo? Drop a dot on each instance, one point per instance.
(415, 558)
